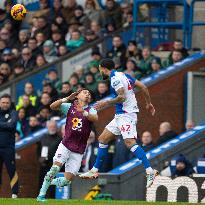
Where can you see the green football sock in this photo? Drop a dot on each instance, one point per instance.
(60, 182)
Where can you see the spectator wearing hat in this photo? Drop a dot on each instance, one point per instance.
(91, 10)
(156, 64)
(53, 79)
(27, 59)
(90, 82)
(76, 40)
(183, 167)
(113, 12)
(22, 39)
(175, 57)
(133, 51)
(62, 50)
(40, 60)
(57, 39)
(145, 63)
(32, 44)
(90, 36)
(118, 49)
(7, 57)
(69, 10)
(102, 91)
(49, 51)
(147, 143)
(65, 90)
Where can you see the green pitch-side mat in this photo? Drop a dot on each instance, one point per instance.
(81, 202)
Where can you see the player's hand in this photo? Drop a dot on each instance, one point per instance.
(100, 104)
(72, 96)
(79, 108)
(150, 108)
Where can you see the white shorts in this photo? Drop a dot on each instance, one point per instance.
(125, 125)
(71, 159)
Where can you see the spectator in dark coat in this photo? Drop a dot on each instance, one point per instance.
(147, 143)
(118, 49)
(48, 88)
(7, 57)
(166, 133)
(46, 151)
(32, 44)
(133, 51)
(56, 9)
(44, 114)
(34, 125)
(65, 90)
(22, 124)
(178, 45)
(102, 91)
(183, 167)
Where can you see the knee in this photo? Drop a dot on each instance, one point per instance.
(68, 176)
(129, 142)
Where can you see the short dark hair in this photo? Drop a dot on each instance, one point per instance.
(178, 40)
(107, 63)
(6, 95)
(66, 83)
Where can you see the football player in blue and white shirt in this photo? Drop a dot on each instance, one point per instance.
(125, 120)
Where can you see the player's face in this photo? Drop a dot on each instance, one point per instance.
(84, 96)
(103, 72)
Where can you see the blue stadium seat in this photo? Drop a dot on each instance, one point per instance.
(201, 166)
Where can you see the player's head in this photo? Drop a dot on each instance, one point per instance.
(84, 95)
(105, 66)
(5, 102)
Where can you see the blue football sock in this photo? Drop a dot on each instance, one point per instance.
(60, 182)
(141, 155)
(102, 152)
(48, 178)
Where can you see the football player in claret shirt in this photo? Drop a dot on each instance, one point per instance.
(80, 117)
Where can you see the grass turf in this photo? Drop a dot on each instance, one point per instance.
(80, 202)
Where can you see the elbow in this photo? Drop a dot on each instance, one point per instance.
(52, 107)
(121, 98)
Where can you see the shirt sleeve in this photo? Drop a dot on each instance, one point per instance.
(131, 79)
(116, 83)
(93, 111)
(65, 107)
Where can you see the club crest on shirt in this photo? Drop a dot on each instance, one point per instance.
(6, 115)
(77, 124)
(72, 112)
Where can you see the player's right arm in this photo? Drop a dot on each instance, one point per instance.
(57, 104)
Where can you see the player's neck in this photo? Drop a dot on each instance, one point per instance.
(83, 104)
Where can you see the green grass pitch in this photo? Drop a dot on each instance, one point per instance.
(80, 202)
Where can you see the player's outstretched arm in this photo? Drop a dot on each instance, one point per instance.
(56, 105)
(145, 91)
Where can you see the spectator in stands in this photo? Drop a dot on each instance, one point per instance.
(2, 46)
(76, 40)
(49, 51)
(7, 57)
(40, 37)
(183, 167)
(32, 44)
(2, 80)
(48, 88)
(166, 133)
(22, 124)
(96, 57)
(34, 26)
(147, 143)
(178, 45)
(68, 11)
(26, 104)
(175, 57)
(46, 150)
(44, 9)
(110, 26)
(57, 39)
(40, 61)
(61, 25)
(29, 91)
(90, 36)
(102, 91)
(113, 12)
(34, 125)
(74, 80)
(156, 64)
(27, 59)
(43, 27)
(133, 51)
(90, 82)
(22, 39)
(45, 100)
(91, 10)
(95, 71)
(125, 8)
(5, 35)
(5, 70)
(129, 20)
(118, 49)
(44, 114)
(189, 124)
(62, 50)
(56, 9)
(145, 62)
(65, 90)
(53, 79)
(80, 73)
(18, 70)
(3, 17)
(131, 67)
(96, 28)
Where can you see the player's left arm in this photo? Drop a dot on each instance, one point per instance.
(145, 91)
